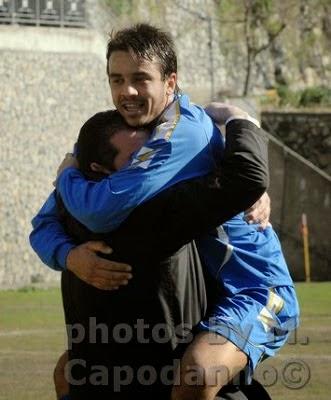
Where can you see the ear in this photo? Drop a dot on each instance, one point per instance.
(171, 83)
(95, 167)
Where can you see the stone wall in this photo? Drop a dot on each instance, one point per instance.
(45, 98)
(52, 80)
(307, 133)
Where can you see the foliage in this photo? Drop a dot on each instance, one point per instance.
(120, 7)
(315, 95)
(288, 97)
(309, 97)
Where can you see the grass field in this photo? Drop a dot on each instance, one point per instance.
(32, 336)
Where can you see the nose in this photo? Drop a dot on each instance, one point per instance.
(128, 89)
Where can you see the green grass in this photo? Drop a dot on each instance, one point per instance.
(32, 337)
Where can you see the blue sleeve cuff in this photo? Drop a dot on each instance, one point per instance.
(62, 254)
(65, 172)
(65, 397)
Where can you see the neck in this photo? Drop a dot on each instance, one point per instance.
(153, 124)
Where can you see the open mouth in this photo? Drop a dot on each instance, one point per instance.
(133, 107)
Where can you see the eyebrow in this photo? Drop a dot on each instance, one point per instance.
(135, 74)
(140, 74)
(112, 75)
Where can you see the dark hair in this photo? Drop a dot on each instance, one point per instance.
(93, 144)
(146, 42)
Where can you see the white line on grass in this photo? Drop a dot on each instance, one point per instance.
(25, 332)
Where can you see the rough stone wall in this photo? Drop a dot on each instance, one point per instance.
(307, 133)
(45, 98)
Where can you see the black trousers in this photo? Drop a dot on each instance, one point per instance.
(108, 359)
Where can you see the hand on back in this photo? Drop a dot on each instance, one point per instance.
(99, 272)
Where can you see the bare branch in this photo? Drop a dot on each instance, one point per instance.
(272, 37)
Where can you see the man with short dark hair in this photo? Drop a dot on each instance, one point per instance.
(141, 93)
(97, 131)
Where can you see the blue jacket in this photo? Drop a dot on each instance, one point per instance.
(184, 145)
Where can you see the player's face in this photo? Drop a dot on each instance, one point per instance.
(127, 142)
(138, 90)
